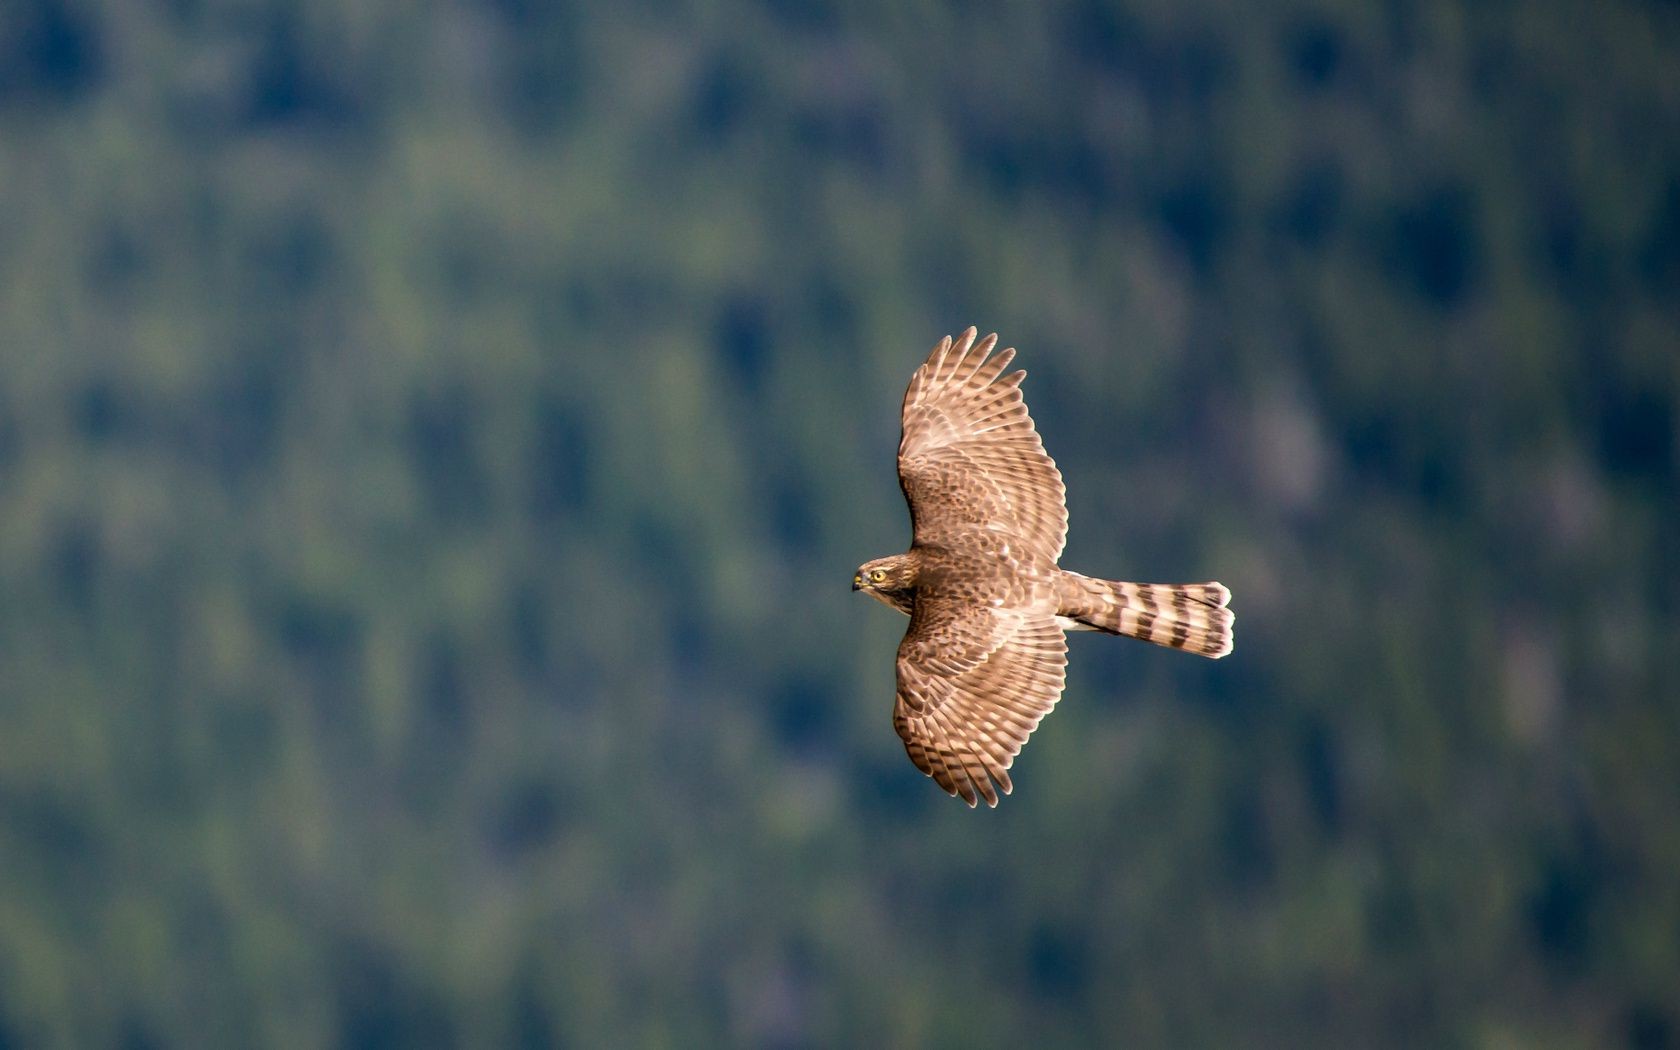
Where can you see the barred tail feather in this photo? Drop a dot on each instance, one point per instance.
(1188, 616)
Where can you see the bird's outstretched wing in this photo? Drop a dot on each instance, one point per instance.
(969, 459)
(973, 683)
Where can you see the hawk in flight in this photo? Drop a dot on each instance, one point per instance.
(985, 657)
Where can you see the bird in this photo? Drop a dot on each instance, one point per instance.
(985, 656)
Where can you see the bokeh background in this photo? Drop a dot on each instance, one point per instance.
(436, 441)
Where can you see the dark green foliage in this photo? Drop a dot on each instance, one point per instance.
(435, 444)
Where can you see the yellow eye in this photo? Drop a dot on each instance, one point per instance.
(878, 575)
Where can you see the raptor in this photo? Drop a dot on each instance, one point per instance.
(985, 656)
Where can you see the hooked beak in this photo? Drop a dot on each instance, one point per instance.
(857, 582)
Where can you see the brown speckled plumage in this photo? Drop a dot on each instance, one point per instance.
(985, 658)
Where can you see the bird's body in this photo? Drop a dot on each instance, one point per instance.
(985, 656)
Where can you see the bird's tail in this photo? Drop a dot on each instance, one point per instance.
(1188, 616)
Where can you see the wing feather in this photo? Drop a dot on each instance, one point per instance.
(964, 728)
(970, 458)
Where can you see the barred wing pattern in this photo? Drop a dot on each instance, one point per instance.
(984, 659)
(964, 729)
(970, 460)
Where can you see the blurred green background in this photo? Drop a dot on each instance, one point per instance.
(436, 441)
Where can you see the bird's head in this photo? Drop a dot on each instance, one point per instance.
(888, 580)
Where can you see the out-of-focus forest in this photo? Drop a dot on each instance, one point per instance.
(436, 441)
